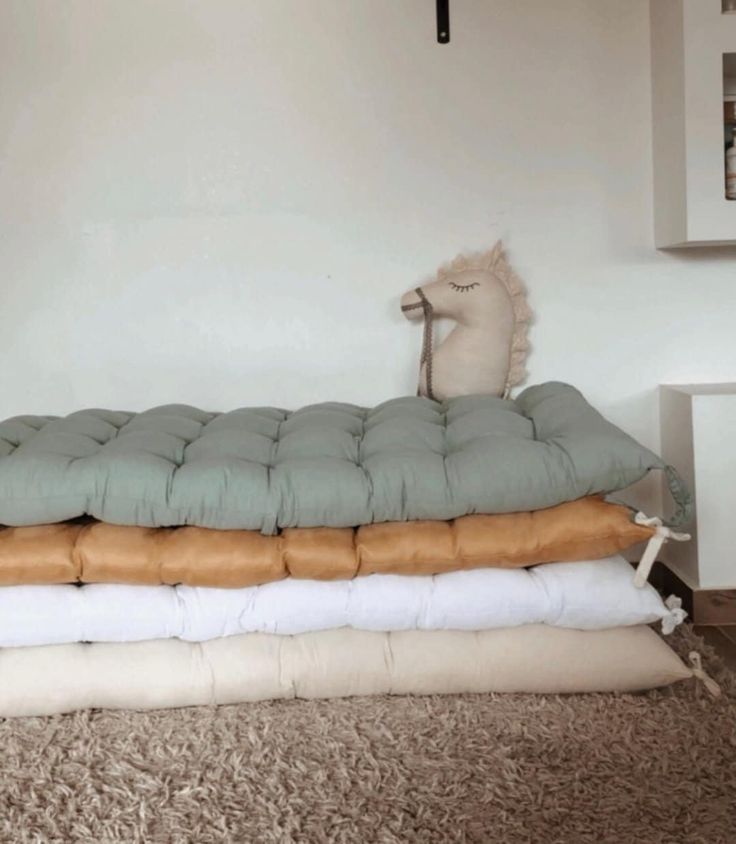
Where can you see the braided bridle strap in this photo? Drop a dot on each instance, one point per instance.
(428, 339)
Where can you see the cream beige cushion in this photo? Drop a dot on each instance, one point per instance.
(337, 663)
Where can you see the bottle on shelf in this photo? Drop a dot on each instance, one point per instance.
(731, 167)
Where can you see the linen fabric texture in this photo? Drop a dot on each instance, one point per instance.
(326, 465)
(336, 663)
(588, 595)
(101, 553)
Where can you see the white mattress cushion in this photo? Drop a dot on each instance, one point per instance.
(336, 663)
(586, 596)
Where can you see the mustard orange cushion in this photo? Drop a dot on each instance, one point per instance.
(589, 528)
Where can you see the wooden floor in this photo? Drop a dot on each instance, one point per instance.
(723, 640)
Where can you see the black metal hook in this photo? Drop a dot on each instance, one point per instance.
(443, 21)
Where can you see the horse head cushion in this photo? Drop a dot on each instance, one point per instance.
(486, 351)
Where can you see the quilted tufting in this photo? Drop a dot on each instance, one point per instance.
(331, 464)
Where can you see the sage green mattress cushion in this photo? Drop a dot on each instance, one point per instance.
(332, 464)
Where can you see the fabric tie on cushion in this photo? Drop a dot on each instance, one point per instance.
(700, 674)
(661, 535)
(676, 615)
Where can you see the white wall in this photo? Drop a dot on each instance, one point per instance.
(220, 201)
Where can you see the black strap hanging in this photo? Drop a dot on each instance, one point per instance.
(443, 21)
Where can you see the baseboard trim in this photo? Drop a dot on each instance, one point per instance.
(707, 607)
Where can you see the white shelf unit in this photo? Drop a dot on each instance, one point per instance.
(697, 423)
(689, 41)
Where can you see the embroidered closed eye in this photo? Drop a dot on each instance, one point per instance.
(463, 288)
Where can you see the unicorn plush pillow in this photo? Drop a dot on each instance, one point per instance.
(486, 351)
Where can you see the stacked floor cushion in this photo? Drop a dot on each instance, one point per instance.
(334, 663)
(96, 552)
(327, 465)
(584, 595)
(178, 556)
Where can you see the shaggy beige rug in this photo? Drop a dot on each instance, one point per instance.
(659, 767)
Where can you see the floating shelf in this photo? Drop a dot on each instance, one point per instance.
(690, 39)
